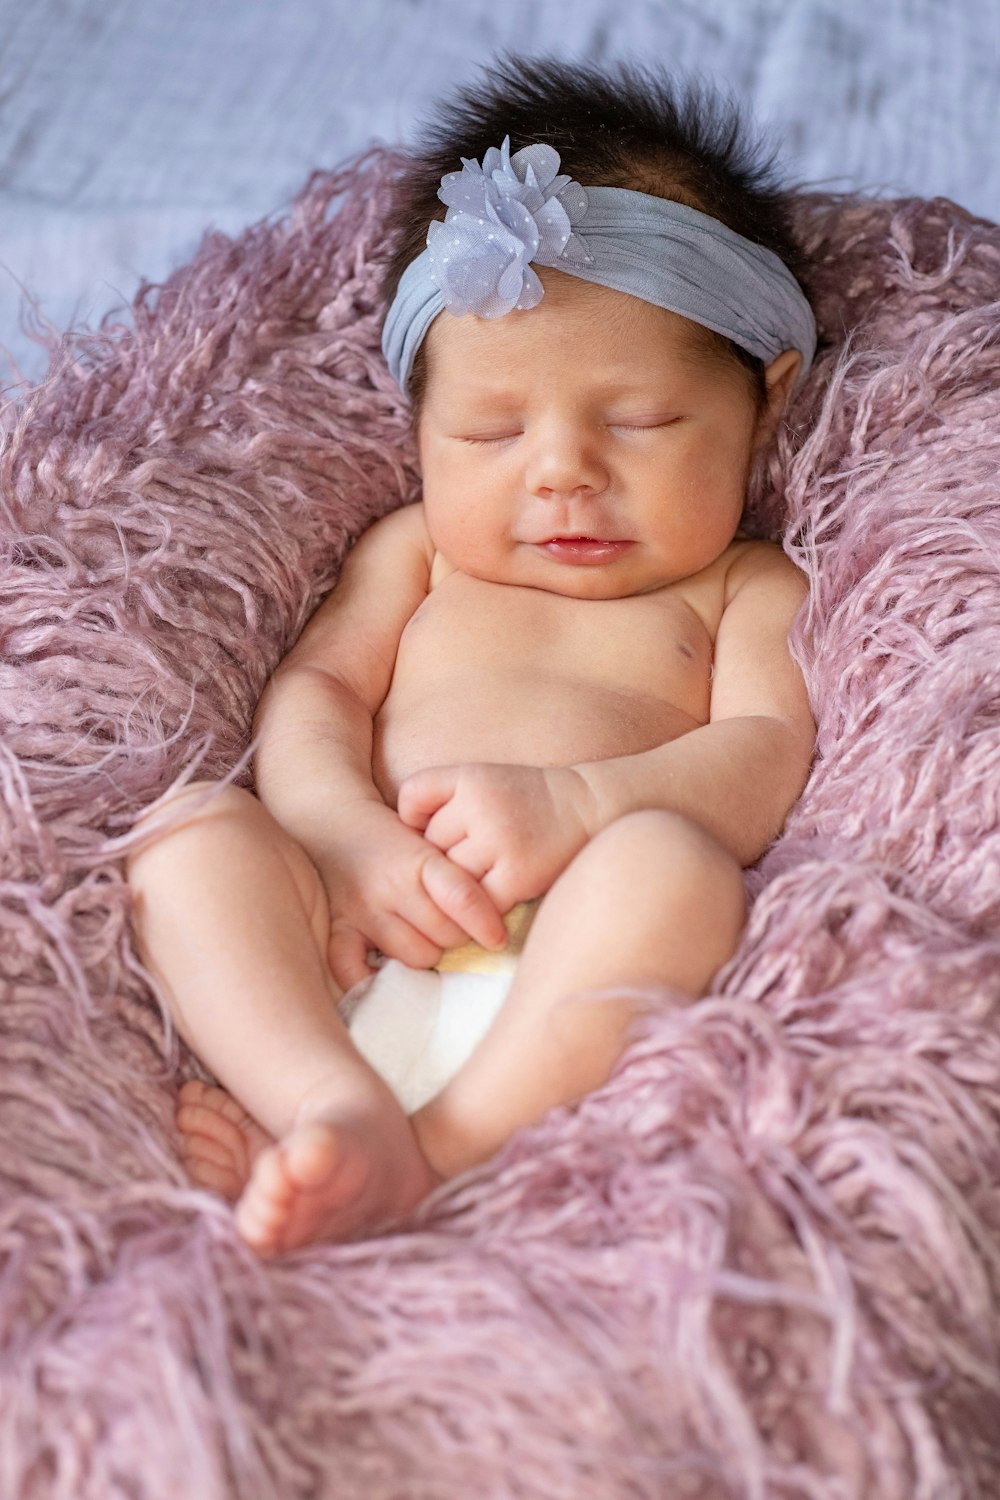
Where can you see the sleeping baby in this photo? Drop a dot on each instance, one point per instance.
(512, 770)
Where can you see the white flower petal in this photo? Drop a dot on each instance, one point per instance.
(532, 291)
(554, 230)
(502, 215)
(511, 284)
(573, 198)
(543, 161)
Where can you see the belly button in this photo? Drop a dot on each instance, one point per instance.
(685, 649)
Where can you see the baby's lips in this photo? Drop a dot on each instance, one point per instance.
(579, 549)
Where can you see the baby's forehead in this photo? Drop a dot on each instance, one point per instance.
(585, 329)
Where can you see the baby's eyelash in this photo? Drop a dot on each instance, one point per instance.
(643, 426)
(493, 440)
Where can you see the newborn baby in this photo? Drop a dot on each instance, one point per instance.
(558, 690)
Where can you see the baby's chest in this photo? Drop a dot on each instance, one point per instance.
(656, 644)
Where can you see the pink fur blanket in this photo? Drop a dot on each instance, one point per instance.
(764, 1260)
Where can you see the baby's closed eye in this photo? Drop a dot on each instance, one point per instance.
(643, 423)
(491, 439)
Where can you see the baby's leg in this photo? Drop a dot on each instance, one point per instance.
(232, 920)
(652, 899)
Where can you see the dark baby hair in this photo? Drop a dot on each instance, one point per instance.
(625, 127)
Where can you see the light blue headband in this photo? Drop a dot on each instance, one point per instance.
(513, 210)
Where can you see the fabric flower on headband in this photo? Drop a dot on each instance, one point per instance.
(501, 216)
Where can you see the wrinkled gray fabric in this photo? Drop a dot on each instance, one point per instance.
(652, 248)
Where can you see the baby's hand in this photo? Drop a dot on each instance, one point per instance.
(392, 890)
(515, 828)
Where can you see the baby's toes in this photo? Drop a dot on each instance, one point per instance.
(219, 1140)
(227, 1111)
(212, 1162)
(219, 1137)
(262, 1211)
(196, 1092)
(216, 1176)
(197, 1095)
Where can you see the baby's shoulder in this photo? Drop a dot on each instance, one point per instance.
(396, 543)
(404, 531)
(764, 566)
(403, 526)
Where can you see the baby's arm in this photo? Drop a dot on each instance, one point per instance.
(389, 888)
(518, 827)
(739, 774)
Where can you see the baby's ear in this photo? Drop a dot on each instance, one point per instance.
(780, 376)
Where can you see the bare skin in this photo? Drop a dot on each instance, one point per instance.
(577, 687)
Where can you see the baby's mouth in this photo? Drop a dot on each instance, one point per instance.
(585, 549)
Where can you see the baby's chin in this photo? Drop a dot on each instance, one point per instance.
(584, 581)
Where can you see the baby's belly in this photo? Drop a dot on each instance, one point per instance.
(534, 722)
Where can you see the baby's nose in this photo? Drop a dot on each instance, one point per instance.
(564, 463)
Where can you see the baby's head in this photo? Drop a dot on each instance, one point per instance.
(622, 263)
(622, 129)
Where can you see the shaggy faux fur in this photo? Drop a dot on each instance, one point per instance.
(763, 1261)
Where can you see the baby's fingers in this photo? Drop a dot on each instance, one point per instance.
(393, 936)
(467, 854)
(447, 828)
(463, 899)
(423, 793)
(347, 955)
(398, 938)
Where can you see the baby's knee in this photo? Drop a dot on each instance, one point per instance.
(192, 803)
(181, 819)
(216, 831)
(664, 849)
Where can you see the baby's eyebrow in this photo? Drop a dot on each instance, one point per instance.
(474, 392)
(633, 384)
(471, 399)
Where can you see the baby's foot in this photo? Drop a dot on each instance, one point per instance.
(219, 1141)
(335, 1174)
